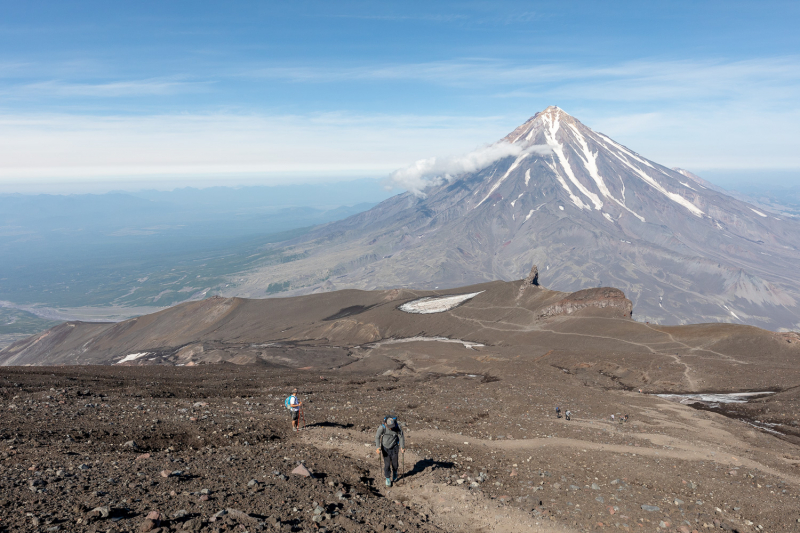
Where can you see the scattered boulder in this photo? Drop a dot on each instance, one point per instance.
(241, 516)
(100, 512)
(301, 470)
(150, 523)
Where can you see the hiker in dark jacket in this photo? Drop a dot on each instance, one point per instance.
(389, 440)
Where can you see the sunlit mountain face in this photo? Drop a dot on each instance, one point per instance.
(589, 211)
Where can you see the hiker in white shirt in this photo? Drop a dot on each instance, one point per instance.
(294, 408)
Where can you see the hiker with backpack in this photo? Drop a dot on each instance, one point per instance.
(390, 442)
(293, 404)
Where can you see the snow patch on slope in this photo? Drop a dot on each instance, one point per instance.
(677, 198)
(575, 200)
(590, 162)
(131, 357)
(429, 305)
(552, 125)
(759, 213)
(467, 344)
(631, 154)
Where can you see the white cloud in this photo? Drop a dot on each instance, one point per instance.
(424, 173)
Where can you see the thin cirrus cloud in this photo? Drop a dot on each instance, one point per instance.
(111, 89)
(640, 80)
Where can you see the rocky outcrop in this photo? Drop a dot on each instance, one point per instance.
(601, 298)
(531, 280)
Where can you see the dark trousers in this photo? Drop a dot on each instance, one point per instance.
(390, 457)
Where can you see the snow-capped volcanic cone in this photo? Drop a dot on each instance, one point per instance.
(588, 211)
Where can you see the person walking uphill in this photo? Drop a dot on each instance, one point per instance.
(293, 404)
(390, 442)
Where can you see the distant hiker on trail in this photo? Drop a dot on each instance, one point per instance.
(558, 412)
(625, 419)
(294, 405)
(567, 415)
(389, 440)
(612, 418)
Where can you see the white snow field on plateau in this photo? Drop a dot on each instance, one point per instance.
(426, 306)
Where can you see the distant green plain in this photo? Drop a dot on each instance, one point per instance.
(14, 321)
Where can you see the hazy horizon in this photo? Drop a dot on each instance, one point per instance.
(743, 180)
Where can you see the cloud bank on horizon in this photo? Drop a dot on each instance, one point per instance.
(159, 91)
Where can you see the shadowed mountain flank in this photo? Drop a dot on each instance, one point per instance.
(588, 211)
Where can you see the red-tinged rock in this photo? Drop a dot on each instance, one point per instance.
(193, 419)
(32, 468)
(611, 510)
(147, 525)
(204, 498)
(301, 470)
(154, 515)
(143, 456)
(513, 472)
(164, 473)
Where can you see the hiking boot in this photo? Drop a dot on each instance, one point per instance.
(388, 482)
(395, 477)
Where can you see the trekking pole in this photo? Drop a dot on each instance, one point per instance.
(303, 417)
(403, 475)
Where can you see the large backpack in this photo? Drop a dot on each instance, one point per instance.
(287, 402)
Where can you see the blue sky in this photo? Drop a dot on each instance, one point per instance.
(144, 93)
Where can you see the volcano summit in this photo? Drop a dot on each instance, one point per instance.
(588, 210)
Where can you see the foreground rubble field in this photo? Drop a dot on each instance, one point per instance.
(209, 448)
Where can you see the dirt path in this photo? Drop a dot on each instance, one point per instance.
(453, 508)
(677, 435)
